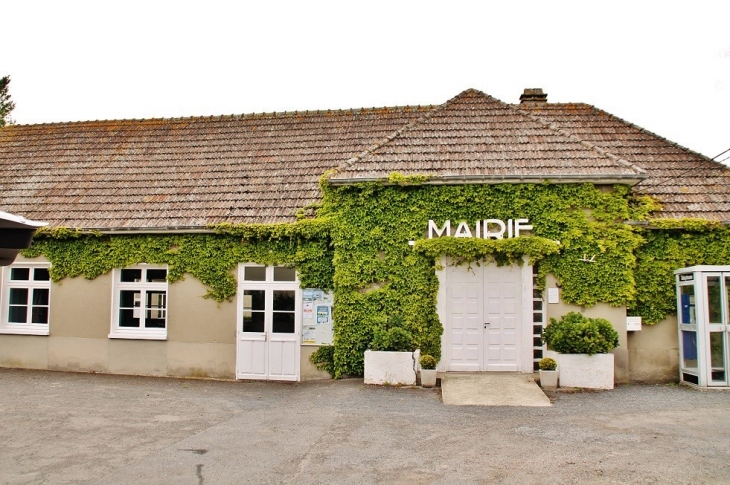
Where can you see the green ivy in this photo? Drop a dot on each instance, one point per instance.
(378, 274)
(211, 258)
(678, 244)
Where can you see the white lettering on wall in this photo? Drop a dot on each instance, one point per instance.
(433, 228)
(486, 229)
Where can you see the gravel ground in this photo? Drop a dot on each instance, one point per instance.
(84, 428)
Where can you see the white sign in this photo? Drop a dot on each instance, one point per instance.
(485, 229)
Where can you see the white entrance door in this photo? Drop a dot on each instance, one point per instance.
(482, 308)
(269, 309)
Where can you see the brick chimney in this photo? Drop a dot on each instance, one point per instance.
(533, 95)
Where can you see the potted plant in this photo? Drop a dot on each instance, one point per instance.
(428, 370)
(390, 358)
(548, 373)
(583, 345)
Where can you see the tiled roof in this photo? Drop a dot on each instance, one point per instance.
(189, 172)
(686, 183)
(261, 168)
(475, 136)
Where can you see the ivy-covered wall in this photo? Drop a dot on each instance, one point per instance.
(357, 243)
(377, 273)
(211, 258)
(671, 245)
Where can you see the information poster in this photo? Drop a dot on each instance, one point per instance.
(317, 324)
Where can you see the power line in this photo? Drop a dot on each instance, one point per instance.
(728, 150)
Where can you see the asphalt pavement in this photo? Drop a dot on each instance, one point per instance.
(104, 429)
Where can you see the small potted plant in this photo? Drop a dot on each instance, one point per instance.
(428, 370)
(548, 373)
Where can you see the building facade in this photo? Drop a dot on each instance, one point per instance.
(235, 247)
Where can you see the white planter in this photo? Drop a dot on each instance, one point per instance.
(393, 368)
(587, 371)
(549, 379)
(428, 377)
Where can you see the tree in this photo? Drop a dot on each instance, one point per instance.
(6, 104)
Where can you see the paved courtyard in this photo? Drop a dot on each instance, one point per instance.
(84, 428)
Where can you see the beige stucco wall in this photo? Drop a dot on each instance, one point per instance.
(201, 335)
(307, 370)
(654, 352)
(615, 315)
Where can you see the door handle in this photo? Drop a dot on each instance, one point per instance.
(485, 324)
(265, 336)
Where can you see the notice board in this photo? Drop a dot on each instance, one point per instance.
(317, 323)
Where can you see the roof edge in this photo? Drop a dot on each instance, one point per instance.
(630, 180)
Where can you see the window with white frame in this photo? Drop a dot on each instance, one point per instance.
(26, 298)
(140, 303)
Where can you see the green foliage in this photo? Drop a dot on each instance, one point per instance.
(575, 333)
(6, 104)
(547, 363)
(395, 337)
(428, 362)
(324, 359)
(211, 258)
(377, 273)
(679, 244)
(502, 251)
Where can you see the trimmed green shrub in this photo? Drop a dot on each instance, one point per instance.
(576, 334)
(428, 362)
(547, 363)
(394, 337)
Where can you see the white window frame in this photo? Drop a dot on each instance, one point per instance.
(6, 284)
(139, 333)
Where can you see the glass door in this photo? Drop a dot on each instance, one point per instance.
(716, 330)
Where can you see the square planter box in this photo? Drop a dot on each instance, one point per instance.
(549, 379)
(394, 368)
(587, 371)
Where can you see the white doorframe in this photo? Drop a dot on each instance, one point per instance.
(524, 352)
(262, 353)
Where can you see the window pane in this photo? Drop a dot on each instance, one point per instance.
(254, 273)
(156, 275)
(18, 314)
(39, 314)
(689, 349)
(714, 303)
(131, 275)
(283, 323)
(254, 300)
(20, 274)
(40, 296)
(717, 356)
(127, 317)
(687, 300)
(41, 274)
(284, 274)
(253, 321)
(284, 301)
(129, 298)
(18, 296)
(156, 309)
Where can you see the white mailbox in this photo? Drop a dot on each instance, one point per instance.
(633, 324)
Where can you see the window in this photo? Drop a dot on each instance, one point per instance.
(140, 303)
(26, 298)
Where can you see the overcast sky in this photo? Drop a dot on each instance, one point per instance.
(664, 65)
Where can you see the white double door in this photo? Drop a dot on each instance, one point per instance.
(482, 308)
(269, 323)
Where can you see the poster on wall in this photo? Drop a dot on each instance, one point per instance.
(317, 324)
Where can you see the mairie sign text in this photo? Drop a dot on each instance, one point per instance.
(486, 229)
